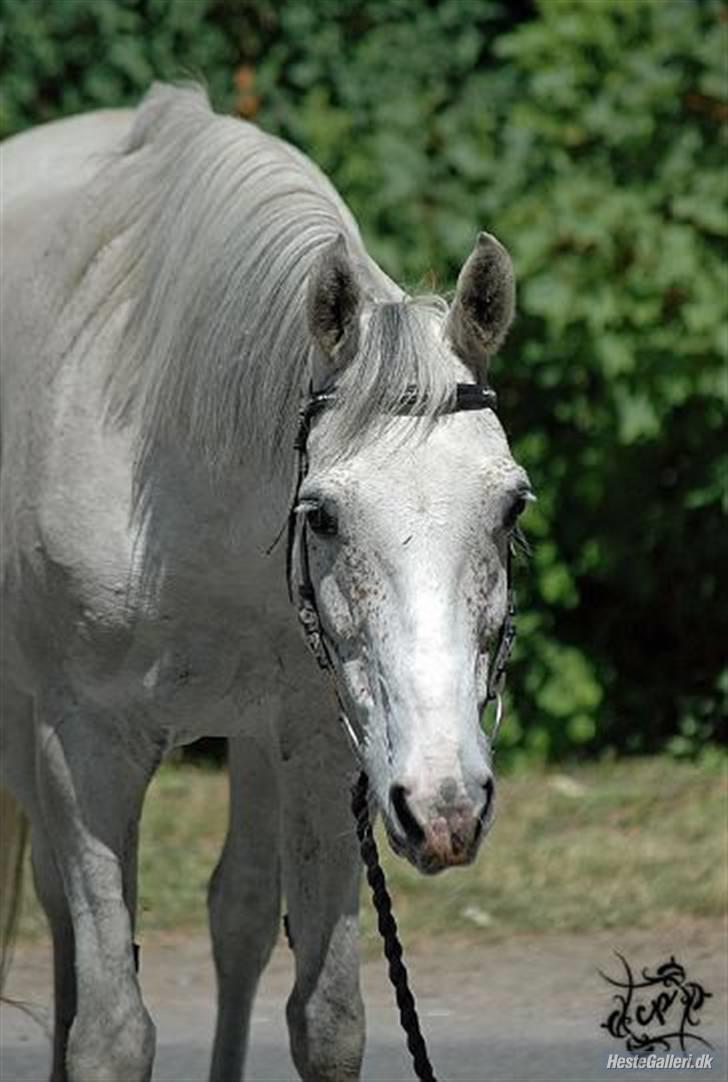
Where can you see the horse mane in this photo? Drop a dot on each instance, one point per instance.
(220, 225)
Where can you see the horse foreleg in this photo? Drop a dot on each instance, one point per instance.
(244, 901)
(321, 881)
(49, 887)
(19, 760)
(91, 779)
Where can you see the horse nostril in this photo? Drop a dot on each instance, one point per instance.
(413, 830)
(489, 790)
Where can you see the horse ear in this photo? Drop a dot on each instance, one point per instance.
(334, 299)
(484, 303)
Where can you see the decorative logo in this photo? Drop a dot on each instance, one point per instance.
(657, 1010)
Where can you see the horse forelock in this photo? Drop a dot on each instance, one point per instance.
(222, 224)
(402, 352)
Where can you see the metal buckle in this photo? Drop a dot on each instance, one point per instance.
(353, 739)
(498, 717)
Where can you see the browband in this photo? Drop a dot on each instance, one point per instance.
(468, 396)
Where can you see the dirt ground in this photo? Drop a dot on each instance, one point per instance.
(526, 1009)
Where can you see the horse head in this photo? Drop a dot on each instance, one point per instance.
(401, 532)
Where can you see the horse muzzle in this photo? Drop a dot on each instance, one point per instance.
(439, 835)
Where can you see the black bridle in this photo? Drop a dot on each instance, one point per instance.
(468, 396)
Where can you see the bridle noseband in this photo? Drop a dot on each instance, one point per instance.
(468, 396)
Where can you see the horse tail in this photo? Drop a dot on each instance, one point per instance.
(13, 838)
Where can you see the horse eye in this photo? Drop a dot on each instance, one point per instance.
(322, 522)
(514, 511)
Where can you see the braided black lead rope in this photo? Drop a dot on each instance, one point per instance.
(388, 931)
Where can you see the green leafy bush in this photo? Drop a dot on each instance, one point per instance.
(616, 377)
(65, 56)
(588, 137)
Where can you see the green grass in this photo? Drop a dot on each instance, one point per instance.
(628, 843)
(631, 843)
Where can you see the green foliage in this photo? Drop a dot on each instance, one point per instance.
(618, 231)
(389, 98)
(587, 136)
(64, 56)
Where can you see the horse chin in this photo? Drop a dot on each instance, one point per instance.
(433, 865)
(425, 863)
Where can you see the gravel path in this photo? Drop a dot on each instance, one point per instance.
(520, 1011)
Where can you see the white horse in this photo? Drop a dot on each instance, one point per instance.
(174, 284)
